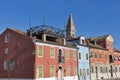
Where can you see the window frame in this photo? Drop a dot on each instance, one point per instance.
(79, 55)
(87, 57)
(7, 38)
(80, 72)
(100, 55)
(88, 72)
(75, 70)
(50, 70)
(53, 52)
(6, 50)
(95, 55)
(101, 70)
(41, 51)
(92, 69)
(74, 55)
(42, 71)
(66, 54)
(6, 63)
(68, 74)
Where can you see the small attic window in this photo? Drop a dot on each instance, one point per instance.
(83, 41)
(6, 38)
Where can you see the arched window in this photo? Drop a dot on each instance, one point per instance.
(60, 58)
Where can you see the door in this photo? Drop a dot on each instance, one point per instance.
(84, 74)
(60, 75)
(111, 70)
(96, 69)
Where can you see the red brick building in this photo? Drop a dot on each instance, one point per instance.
(36, 55)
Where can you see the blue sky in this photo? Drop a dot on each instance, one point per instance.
(91, 17)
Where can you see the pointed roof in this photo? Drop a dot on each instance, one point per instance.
(70, 22)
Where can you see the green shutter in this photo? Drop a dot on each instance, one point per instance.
(40, 71)
(100, 56)
(40, 51)
(52, 54)
(74, 55)
(92, 69)
(75, 70)
(52, 71)
(67, 54)
(67, 71)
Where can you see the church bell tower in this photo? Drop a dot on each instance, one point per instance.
(70, 28)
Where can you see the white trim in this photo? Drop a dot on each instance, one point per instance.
(58, 46)
(50, 52)
(42, 51)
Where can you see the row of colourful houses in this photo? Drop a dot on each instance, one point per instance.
(45, 53)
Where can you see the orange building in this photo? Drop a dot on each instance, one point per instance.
(102, 57)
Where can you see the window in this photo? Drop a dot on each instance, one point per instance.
(119, 69)
(100, 56)
(101, 69)
(60, 57)
(40, 71)
(52, 71)
(79, 55)
(83, 41)
(92, 69)
(7, 38)
(115, 69)
(91, 55)
(6, 64)
(75, 70)
(87, 71)
(52, 52)
(40, 51)
(86, 56)
(12, 65)
(67, 71)
(106, 69)
(6, 50)
(80, 72)
(95, 55)
(105, 56)
(67, 54)
(74, 55)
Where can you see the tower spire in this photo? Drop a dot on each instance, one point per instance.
(70, 27)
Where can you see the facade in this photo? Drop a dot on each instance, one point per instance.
(16, 58)
(102, 58)
(83, 57)
(48, 66)
(36, 56)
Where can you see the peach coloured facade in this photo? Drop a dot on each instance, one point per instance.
(104, 66)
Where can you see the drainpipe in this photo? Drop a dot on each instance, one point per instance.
(89, 63)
